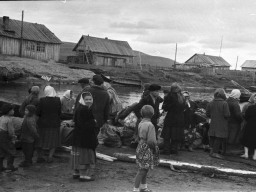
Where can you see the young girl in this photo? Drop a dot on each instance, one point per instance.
(84, 140)
(28, 135)
(147, 153)
(7, 138)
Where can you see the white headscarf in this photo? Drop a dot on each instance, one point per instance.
(49, 91)
(235, 94)
(81, 100)
(67, 95)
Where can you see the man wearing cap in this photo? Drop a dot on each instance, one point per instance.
(101, 101)
(153, 99)
(85, 85)
(189, 113)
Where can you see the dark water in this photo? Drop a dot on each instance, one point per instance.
(16, 93)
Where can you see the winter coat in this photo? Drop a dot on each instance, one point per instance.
(174, 122)
(84, 134)
(29, 130)
(218, 111)
(101, 105)
(49, 111)
(147, 100)
(189, 114)
(248, 139)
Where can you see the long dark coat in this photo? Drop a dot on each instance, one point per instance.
(147, 100)
(248, 139)
(174, 122)
(218, 111)
(49, 111)
(234, 121)
(189, 114)
(84, 134)
(101, 104)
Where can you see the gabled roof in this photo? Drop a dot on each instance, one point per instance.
(211, 60)
(249, 64)
(104, 45)
(31, 31)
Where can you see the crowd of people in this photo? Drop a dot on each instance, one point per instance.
(98, 104)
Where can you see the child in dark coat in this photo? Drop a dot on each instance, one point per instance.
(29, 135)
(84, 140)
(7, 138)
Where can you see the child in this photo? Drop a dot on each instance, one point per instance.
(28, 135)
(84, 140)
(7, 138)
(147, 153)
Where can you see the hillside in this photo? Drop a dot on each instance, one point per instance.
(152, 60)
(66, 50)
(67, 47)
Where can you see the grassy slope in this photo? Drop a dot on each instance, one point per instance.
(35, 67)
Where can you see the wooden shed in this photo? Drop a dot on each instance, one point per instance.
(202, 60)
(249, 65)
(37, 42)
(103, 51)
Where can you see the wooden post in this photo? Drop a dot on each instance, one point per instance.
(236, 62)
(21, 34)
(140, 61)
(174, 65)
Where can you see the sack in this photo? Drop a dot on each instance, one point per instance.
(131, 120)
(66, 132)
(112, 139)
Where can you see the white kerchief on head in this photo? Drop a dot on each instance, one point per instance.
(81, 100)
(49, 91)
(235, 94)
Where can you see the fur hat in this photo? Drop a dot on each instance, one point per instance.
(154, 87)
(97, 79)
(84, 81)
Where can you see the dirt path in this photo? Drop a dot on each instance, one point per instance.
(119, 176)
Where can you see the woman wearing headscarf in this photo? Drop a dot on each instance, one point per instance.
(67, 105)
(235, 119)
(218, 111)
(84, 140)
(174, 105)
(49, 111)
(248, 140)
(32, 99)
(115, 102)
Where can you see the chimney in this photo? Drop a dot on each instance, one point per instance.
(6, 22)
(106, 37)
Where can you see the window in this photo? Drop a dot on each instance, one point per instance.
(30, 46)
(40, 47)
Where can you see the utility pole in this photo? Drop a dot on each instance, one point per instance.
(221, 44)
(140, 61)
(236, 62)
(174, 65)
(21, 34)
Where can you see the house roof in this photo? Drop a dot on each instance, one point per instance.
(31, 31)
(212, 60)
(104, 45)
(249, 64)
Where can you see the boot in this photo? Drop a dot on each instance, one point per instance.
(245, 155)
(2, 168)
(10, 165)
(166, 150)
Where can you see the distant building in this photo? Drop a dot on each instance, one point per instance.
(38, 41)
(102, 51)
(249, 65)
(202, 60)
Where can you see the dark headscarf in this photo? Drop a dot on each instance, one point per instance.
(176, 89)
(220, 93)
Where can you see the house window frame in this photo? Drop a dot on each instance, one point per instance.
(30, 46)
(40, 47)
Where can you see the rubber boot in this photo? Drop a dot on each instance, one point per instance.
(166, 150)
(245, 155)
(10, 166)
(2, 168)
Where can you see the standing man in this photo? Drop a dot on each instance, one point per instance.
(101, 101)
(153, 99)
(85, 85)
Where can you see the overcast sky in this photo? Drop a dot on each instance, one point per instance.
(151, 26)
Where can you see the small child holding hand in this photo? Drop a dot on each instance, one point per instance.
(147, 153)
(7, 138)
(29, 135)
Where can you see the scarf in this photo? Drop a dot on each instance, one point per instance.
(49, 91)
(235, 94)
(81, 100)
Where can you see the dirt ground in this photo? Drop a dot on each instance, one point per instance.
(119, 176)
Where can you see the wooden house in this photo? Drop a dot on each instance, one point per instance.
(249, 65)
(202, 60)
(103, 51)
(36, 42)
